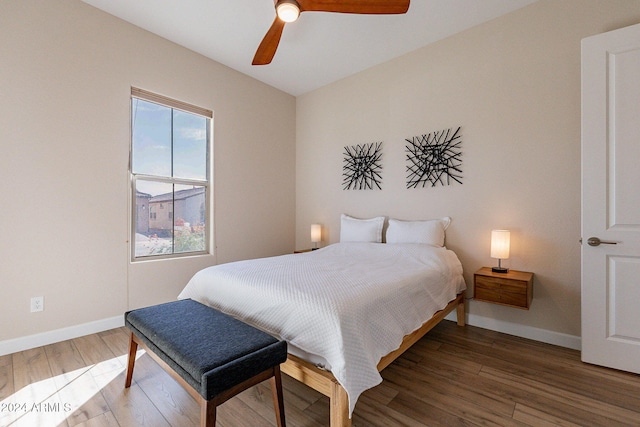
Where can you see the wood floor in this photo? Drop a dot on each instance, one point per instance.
(455, 376)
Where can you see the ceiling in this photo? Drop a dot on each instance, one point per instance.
(314, 51)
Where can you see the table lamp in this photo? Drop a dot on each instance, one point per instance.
(500, 242)
(316, 235)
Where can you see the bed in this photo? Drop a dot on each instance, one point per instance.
(346, 310)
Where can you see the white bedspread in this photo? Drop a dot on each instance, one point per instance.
(350, 303)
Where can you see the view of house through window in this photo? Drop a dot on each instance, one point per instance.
(170, 145)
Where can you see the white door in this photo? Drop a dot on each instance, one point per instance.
(611, 199)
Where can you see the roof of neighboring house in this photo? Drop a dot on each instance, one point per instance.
(178, 195)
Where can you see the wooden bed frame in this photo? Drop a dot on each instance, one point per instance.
(325, 382)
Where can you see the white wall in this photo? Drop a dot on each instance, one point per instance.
(66, 70)
(513, 85)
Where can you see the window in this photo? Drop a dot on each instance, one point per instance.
(170, 146)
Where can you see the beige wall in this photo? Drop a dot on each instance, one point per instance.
(66, 70)
(513, 85)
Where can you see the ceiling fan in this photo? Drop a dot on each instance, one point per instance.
(289, 10)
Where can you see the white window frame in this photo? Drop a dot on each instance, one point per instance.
(207, 183)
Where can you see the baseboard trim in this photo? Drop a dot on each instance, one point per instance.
(523, 331)
(50, 337)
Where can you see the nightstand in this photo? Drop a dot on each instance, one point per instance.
(514, 289)
(301, 251)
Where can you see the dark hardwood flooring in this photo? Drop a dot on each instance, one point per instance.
(454, 376)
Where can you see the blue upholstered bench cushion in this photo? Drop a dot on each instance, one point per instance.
(210, 350)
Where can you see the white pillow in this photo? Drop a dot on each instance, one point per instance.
(361, 230)
(430, 232)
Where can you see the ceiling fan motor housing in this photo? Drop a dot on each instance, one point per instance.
(288, 10)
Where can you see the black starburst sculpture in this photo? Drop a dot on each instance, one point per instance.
(434, 158)
(362, 168)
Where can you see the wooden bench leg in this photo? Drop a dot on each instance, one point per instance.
(278, 400)
(133, 348)
(207, 413)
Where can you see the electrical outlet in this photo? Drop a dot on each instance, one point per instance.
(37, 304)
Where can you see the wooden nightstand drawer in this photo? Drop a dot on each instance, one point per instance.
(514, 288)
(499, 296)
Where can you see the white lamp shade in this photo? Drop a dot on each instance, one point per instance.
(500, 242)
(288, 11)
(316, 233)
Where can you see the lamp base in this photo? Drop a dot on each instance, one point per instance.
(499, 269)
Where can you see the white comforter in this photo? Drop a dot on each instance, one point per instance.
(350, 303)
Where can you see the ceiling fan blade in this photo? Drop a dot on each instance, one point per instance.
(355, 6)
(269, 44)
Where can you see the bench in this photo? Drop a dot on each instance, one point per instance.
(211, 354)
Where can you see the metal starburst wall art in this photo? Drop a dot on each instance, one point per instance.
(361, 167)
(434, 159)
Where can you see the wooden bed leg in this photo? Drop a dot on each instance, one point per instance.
(339, 403)
(133, 348)
(460, 311)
